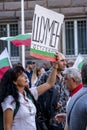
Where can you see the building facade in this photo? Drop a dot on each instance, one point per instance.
(74, 32)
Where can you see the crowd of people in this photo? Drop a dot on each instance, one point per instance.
(60, 92)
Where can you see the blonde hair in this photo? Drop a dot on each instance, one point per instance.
(34, 75)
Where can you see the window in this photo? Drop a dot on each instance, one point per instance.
(7, 30)
(75, 37)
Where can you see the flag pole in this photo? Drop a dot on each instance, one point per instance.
(23, 28)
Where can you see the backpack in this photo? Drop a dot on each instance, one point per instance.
(40, 120)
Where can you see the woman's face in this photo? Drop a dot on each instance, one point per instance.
(22, 80)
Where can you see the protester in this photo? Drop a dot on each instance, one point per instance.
(12, 92)
(34, 77)
(29, 71)
(73, 82)
(37, 72)
(54, 101)
(77, 106)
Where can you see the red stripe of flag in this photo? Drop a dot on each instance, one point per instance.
(3, 70)
(42, 57)
(26, 42)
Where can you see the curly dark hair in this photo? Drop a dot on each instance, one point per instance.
(7, 86)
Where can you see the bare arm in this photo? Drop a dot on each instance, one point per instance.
(66, 127)
(51, 80)
(8, 119)
(49, 84)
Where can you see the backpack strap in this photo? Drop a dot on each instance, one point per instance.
(40, 120)
(16, 110)
(71, 107)
(30, 96)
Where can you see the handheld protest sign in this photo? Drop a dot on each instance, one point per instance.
(46, 29)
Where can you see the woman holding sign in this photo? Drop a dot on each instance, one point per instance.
(14, 94)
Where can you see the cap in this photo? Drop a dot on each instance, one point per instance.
(29, 62)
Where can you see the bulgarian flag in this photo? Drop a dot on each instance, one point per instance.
(5, 62)
(19, 40)
(79, 62)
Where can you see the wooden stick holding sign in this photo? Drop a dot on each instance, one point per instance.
(46, 29)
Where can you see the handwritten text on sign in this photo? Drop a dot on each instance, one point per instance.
(46, 29)
(45, 33)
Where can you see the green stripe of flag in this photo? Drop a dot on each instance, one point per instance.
(80, 65)
(42, 52)
(19, 37)
(4, 62)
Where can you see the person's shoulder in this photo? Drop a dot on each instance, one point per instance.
(82, 91)
(8, 103)
(79, 95)
(9, 98)
(26, 71)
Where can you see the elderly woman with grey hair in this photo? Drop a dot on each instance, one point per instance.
(73, 82)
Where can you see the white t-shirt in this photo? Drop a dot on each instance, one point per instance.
(25, 117)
